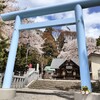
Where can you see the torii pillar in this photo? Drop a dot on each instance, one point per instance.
(7, 92)
(82, 51)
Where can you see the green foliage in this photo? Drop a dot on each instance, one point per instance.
(2, 6)
(3, 53)
(25, 56)
(49, 47)
(48, 29)
(98, 41)
(3, 43)
(84, 88)
(20, 58)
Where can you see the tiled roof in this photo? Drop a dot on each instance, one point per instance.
(75, 60)
(57, 62)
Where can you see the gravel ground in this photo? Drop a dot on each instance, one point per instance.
(34, 94)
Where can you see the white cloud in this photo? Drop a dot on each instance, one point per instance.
(91, 20)
(64, 28)
(63, 15)
(40, 19)
(93, 32)
(69, 28)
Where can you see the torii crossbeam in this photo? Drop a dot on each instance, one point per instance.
(78, 20)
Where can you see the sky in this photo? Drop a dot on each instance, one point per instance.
(91, 15)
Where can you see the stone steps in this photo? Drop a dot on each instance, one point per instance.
(56, 84)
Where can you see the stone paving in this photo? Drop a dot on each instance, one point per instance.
(36, 94)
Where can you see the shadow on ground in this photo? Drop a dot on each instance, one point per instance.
(74, 88)
(62, 94)
(66, 95)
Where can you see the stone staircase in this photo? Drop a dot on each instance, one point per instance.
(66, 85)
(55, 84)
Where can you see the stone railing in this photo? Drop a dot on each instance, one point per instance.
(18, 81)
(34, 75)
(22, 81)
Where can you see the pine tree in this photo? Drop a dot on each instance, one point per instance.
(49, 47)
(98, 41)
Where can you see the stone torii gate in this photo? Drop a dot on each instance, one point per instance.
(78, 20)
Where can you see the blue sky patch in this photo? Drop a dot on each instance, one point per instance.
(50, 18)
(97, 26)
(94, 9)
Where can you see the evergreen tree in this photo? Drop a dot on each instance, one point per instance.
(3, 53)
(49, 47)
(25, 56)
(98, 41)
(3, 42)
